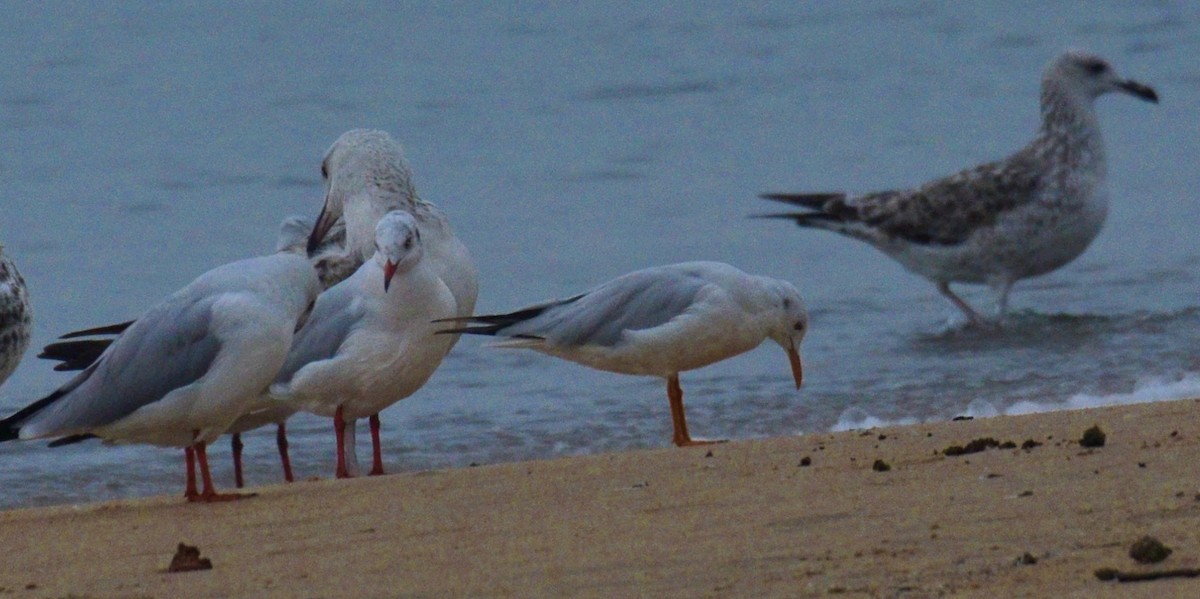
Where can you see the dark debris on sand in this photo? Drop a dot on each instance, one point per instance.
(1093, 437)
(975, 446)
(1148, 550)
(187, 559)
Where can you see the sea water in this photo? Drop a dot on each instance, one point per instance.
(142, 144)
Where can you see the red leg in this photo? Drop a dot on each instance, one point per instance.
(209, 494)
(281, 441)
(339, 432)
(235, 442)
(376, 448)
(189, 492)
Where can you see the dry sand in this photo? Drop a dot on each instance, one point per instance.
(746, 521)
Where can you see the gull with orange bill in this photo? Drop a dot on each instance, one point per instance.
(658, 321)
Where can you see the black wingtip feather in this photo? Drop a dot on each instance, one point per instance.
(491, 324)
(109, 329)
(71, 440)
(812, 201)
(75, 354)
(10, 427)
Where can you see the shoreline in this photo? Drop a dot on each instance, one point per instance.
(747, 520)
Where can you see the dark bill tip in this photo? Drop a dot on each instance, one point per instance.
(1139, 90)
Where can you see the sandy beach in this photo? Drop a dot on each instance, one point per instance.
(814, 515)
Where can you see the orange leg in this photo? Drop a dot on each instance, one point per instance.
(376, 448)
(282, 443)
(209, 494)
(235, 442)
(678, 418)
(339, 432)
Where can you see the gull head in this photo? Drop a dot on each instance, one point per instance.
(787, 323)
(397, 244)
(1090, 76)
(365, 175)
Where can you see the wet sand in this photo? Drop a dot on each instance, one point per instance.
(742, 519)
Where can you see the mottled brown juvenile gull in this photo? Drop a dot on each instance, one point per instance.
(16, 317)
(366, 176)
(996, 223)
(659, 322)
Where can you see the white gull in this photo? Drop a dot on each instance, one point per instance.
(369, 341)
(659, 322)
(74, 353)
(186, 369)
(996, 223)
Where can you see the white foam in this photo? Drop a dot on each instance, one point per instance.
(1144, 391)
(858, 419)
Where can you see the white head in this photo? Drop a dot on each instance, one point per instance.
(365, 175)
(1089, 77)
(397, 244)
(787, 322)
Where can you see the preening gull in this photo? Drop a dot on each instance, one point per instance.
(366, 176)
(16, 317)
(184, 371)
(370, 339)
(659, 322)
(996, 223)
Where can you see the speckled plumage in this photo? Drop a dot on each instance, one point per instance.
(16, 317)
(366, 176)
(1002, 221)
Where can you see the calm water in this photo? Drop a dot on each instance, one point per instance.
(141, 145)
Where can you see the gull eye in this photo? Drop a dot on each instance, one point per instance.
(1095, 67)
(799, 326)
(408, 243)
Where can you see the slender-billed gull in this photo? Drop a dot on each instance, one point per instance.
(659, 322)
(16, 317)
(1003, 221)
(369, 341)
(184, 371)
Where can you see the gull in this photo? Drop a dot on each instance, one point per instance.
(658, 322)
(366, 176)
(370, 339)
(16, 317)
(1000, 222)
(74, 353)
(184, 371)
